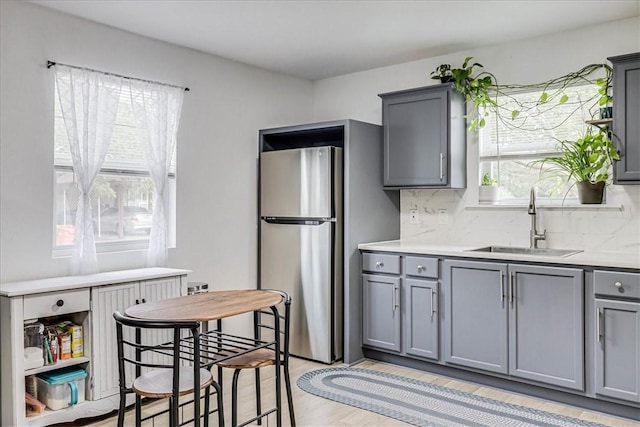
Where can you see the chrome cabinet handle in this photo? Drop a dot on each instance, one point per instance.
(379, 264)
(501, 287)
(441, 166)
(433, 310)
(420, 268)
(511, 288)
(395, 298)
(599, 324)
(618, 285)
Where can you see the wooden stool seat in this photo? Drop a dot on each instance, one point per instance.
(159, 382)
(254, 359)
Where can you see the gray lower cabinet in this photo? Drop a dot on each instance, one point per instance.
(617, 330)
(525, 321)
(617, 354)
(424, 138)
(400, 304)
(420, 318)
(546, 325)
(626, 110)
(475, 315)
(381, 311)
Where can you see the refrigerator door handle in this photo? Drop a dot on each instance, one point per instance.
(297, 221)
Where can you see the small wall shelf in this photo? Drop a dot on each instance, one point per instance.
(601, 123)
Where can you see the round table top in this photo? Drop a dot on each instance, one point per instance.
(206, 306)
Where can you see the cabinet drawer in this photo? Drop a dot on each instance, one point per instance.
(612, 283)
(56, 303)
(421, 267)
(381, 263)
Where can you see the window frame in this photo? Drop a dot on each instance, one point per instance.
(561, 198)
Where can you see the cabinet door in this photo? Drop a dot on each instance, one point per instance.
(157, 290)
(421, 318)
(475, 315)
(546, 325)
(618, 350)
(626, 110)
(381, 311)
(104, 362)
(415, 139)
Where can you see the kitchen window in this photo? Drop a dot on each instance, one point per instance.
(122, 198)
(507, 147)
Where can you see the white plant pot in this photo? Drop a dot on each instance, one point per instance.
(488, 194)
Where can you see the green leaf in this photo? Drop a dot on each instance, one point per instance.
(543, 97)
(482, 123)
(564, 98)
(514, 114)
(603, 101)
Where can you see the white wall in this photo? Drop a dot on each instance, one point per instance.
(217, 142)
(527, 61)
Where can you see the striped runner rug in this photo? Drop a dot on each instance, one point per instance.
(423, 404)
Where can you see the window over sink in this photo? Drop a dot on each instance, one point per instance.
(507, 148)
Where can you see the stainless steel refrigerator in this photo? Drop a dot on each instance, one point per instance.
(301, 244)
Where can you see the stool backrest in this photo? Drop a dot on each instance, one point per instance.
(265, 324)
(139, 348)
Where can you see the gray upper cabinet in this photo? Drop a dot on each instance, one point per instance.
(424, 138)
(546, 325)
(475, 315)
(626, 110)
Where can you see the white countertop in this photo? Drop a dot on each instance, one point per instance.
(54, 284)
(594, 259)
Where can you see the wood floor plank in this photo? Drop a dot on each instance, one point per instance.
(316, 411)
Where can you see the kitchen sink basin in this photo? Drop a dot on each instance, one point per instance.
(526, 251)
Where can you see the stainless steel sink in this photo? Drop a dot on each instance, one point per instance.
(526, 251)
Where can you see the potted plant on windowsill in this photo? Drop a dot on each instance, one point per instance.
(587, 161)
(488, 190)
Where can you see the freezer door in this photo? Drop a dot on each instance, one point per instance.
(297, 183)
(298, 260)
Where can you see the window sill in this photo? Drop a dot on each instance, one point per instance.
(105, 248)
(572, 207)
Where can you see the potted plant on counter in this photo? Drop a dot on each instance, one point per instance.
(488, 190)
(587, 161)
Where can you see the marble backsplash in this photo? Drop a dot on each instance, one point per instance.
(614, 227)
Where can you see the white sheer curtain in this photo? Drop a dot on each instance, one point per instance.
(89, 102)
(157, 110)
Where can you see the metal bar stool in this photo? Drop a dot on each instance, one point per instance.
(164, 376)
(264, 357)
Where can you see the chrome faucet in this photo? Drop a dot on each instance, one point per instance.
(533, 233)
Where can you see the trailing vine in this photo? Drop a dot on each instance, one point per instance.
(484, 92)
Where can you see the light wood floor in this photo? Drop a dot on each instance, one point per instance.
(315, 411)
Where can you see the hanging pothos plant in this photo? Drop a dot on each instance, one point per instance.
(484, 92)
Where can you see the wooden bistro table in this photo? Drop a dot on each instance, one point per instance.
(216, 346)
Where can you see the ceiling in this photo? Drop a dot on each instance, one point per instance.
(319, 39)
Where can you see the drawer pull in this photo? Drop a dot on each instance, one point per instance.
(60, 303)
(618, 285)
(421, 268)
(379, 264)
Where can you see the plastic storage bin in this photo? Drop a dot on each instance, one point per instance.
(62, 388)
